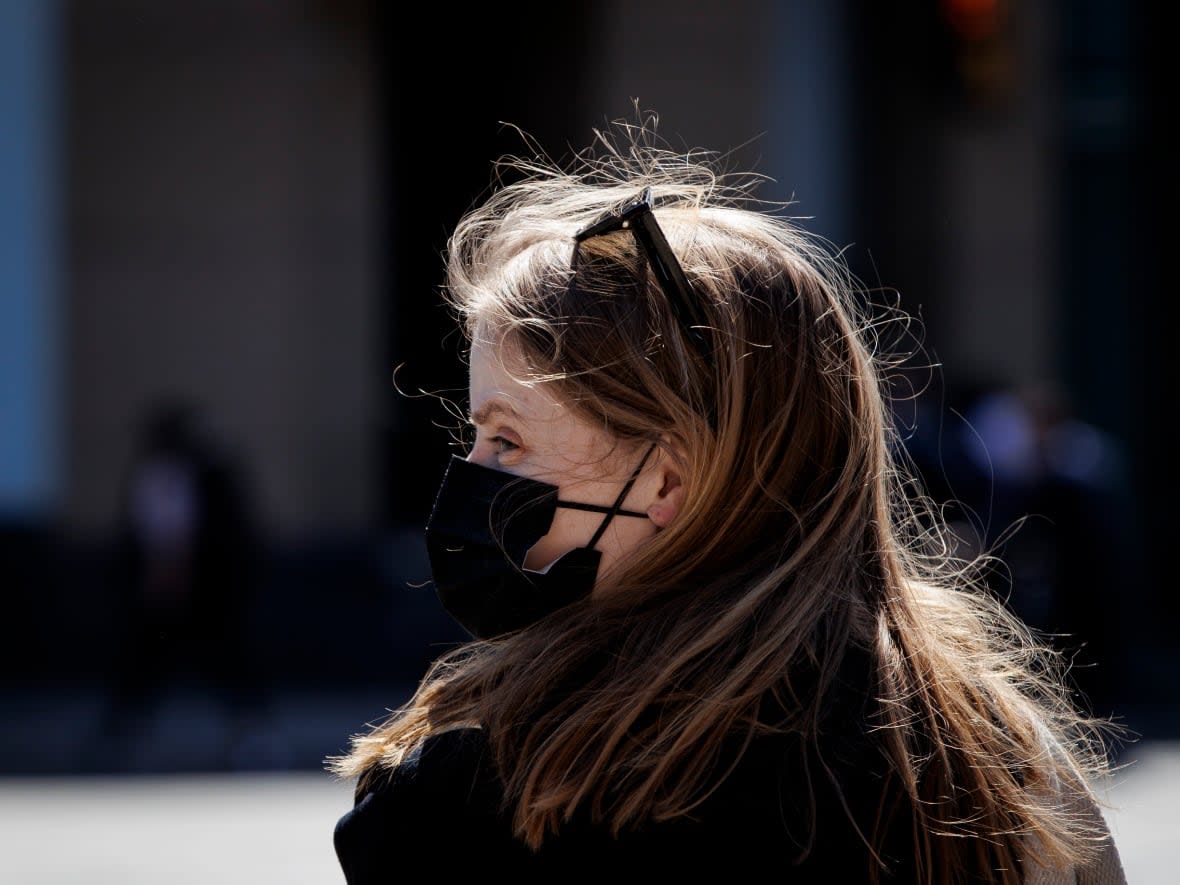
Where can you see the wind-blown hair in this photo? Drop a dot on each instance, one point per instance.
(803, 536)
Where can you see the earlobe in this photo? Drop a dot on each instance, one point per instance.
(668, 500)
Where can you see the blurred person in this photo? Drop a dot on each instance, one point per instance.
(1051, 485)
(185, 566)
(705, 633)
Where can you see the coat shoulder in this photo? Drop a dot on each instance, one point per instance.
(443, 801)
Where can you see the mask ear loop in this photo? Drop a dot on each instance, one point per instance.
(616, 507)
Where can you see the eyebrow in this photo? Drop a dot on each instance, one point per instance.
(484, 413)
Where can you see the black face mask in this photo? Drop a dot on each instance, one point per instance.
(483, 524)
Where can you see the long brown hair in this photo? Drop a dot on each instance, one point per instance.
(802, 536)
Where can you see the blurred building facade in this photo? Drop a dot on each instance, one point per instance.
(245, 204)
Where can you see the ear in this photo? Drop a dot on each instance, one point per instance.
(670, 496)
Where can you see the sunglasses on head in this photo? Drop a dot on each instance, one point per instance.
(638, 216)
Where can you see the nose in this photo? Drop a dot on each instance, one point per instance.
(482, 454)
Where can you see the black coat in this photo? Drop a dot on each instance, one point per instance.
(779, 815)
(443, 806)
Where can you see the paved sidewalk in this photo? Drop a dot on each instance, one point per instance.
(234, 829)
(184, 830)
(1144, 818)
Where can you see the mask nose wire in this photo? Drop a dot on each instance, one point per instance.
(615, 508)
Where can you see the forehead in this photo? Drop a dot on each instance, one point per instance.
(498, 381)
(561, 444)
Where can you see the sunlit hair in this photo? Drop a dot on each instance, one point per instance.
(802, 536)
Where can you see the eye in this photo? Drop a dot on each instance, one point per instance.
(502, 445)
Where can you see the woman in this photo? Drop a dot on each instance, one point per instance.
(711, 622)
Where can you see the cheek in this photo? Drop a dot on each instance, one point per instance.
(625, 533)
(570, 529)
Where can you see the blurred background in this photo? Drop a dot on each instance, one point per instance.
(221, 230)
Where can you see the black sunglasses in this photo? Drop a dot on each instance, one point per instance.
(639, 217)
